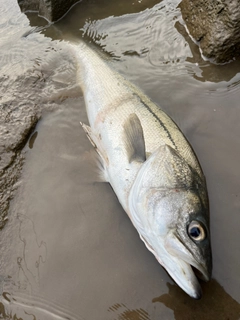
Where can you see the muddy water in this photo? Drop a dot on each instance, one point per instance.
(69, 251)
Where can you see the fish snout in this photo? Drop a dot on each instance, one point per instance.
(184, 266)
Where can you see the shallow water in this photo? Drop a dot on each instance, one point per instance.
(69, 251)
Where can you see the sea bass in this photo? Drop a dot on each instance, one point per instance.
(151, 168)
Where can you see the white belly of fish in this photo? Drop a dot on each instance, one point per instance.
(150, 166)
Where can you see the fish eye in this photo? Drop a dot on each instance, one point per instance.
(196, 232)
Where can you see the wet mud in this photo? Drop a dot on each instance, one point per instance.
(69, 250)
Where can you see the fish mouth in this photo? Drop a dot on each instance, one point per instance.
(200, 275)
(186, 279)
(183, 267)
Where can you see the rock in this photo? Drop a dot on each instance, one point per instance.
(26, 5)
(52, 10)
(215, 25)
(36, 74)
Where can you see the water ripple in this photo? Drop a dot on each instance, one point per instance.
(18, 304)
(149, 34)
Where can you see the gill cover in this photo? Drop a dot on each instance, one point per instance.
(168, 205)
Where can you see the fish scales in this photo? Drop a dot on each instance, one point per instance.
(151, 168)
(159, 129)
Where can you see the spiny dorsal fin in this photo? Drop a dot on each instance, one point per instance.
(101, 159)
(97, 166)
(134, 139)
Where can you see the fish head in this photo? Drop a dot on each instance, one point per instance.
(168, 205)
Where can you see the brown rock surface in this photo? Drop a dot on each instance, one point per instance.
(215, 25)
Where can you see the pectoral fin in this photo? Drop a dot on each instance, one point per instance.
(134, 139)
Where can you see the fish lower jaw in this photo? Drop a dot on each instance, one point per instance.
(181, 272)
(187, 280)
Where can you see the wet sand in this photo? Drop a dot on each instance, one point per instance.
(68, 249)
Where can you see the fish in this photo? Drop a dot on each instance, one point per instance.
(151, 167)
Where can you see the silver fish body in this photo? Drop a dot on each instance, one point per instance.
(151, 168)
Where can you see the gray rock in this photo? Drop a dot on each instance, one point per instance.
(52, 10)
(26, 5)
(36, 74)
(215, 25)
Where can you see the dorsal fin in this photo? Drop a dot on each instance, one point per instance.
(134, 139)
(102, 159)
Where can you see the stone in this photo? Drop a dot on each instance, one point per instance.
(215, 26)
(36, 74)
(52, 10)
(32, 5)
